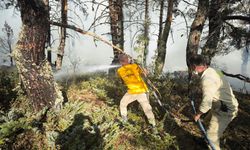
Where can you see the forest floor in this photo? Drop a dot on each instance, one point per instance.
(94, 99)
(181, 125)
(235, 137)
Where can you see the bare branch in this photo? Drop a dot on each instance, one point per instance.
(238, 76)
(99, 24)
(245, 18)
(183, 15)
(101, 15)
(189, 3)
(87, 33)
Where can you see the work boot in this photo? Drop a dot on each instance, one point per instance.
(121, 123)
(153, 130)
(130, 121)
(124, 119)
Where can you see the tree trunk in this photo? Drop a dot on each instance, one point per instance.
(146, 33)
(162, 42)
(116, 24)
(29, 54)
(160, 20)
(60, 53)
(49, 53)
(215, 24)
(196, 30)
(9, 41)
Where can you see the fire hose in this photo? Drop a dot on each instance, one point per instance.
(199, 121)
(154, 90)
(157, 95)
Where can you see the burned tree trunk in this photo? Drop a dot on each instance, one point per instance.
(160, 20)
(162, 41)
(49, 53)
(196, 30)
(60, 53)
(29, 54)
(215, 24)
(116, 25)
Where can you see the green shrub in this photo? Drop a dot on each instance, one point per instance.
(8, 81)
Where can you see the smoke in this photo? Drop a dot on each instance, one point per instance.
(245, 58)
(81, 70)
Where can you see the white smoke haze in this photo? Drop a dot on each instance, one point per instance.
(81, 70)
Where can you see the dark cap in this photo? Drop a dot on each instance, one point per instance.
(198, 60)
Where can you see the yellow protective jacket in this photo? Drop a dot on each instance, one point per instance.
(130, 75)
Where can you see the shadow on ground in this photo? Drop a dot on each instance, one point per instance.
(79, 135)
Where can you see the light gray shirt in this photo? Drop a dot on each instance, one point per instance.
(215, 90)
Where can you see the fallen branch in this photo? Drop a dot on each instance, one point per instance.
(238, 76)
(87, 33)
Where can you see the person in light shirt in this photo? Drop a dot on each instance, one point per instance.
(217, 96)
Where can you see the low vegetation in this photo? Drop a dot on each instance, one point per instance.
(89, 118)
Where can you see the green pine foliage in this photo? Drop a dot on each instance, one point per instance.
(8, 82)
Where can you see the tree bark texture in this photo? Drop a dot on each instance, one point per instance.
(215, 24)
(60, 53)
(160, 20)
(196, 30)
(116, 24)
(146, 33)
(162, 42)
(49, 53)
(29, 54)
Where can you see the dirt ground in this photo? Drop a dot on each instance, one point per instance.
(236, 136)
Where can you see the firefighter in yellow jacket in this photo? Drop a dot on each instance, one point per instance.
(217, 97)
(137, 89)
